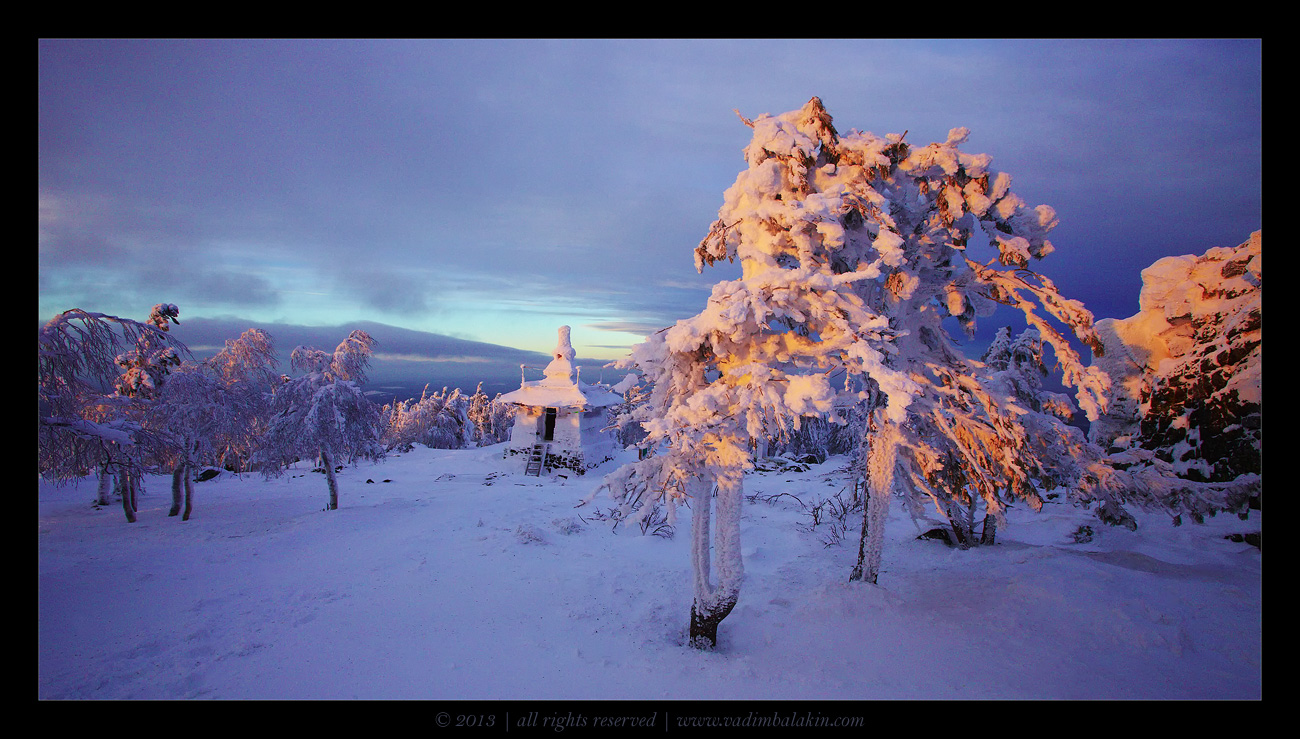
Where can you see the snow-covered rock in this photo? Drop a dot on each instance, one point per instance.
(1186, 369)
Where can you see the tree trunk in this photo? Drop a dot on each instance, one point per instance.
(990, 531)
(881, 456)
(704, 624)
(189, 494)
(860, 484)
(182, 476)
(191, 447)
(328, 461)
(968, 523)
(126, 482)
(105, 484)
(961, 518)
(178, 479)
(961, 515)
(712, 604)
(857, 574)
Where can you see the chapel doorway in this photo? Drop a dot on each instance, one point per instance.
(548, 424)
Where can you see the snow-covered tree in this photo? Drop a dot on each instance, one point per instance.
(923, 216)
(988, 433)
(635, 394)
(503, 419)
(1020, 368)
(853, 251)
(214, 412)
(762, 354)
(479, 414)
(188, 413)
(145, 365)
(1018, 373)
(323, 414)
(439, 420)
(247, 367)
(452, 427)
(96, 374)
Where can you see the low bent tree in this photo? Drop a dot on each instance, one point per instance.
(96, 376)
(213, 412)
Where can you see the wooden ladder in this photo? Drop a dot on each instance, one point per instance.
(536, 461)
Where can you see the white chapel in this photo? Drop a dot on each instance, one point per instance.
(561, 422)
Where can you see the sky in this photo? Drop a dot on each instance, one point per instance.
(494, 190)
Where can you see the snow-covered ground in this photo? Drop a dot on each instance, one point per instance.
(454, 576)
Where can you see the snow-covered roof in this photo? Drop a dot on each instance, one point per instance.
(560, 388)
(572, 395)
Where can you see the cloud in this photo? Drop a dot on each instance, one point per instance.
(231, 289)
(627, 327)
(488, 186)
(398, 291)
(404, 360)
(456, 359)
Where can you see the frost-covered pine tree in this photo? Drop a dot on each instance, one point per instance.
(1017, 374)
(1019, 367)
(988, 433)
(635, 394)
(96, 373)
(453, 428)
(479, 413)
(853, 252)
(323, 414)
(502, 416)
(909, 225)
(439, 420)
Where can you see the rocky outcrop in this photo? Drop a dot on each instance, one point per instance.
(1186, 369)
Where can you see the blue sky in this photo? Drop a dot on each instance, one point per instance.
(492, 190)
